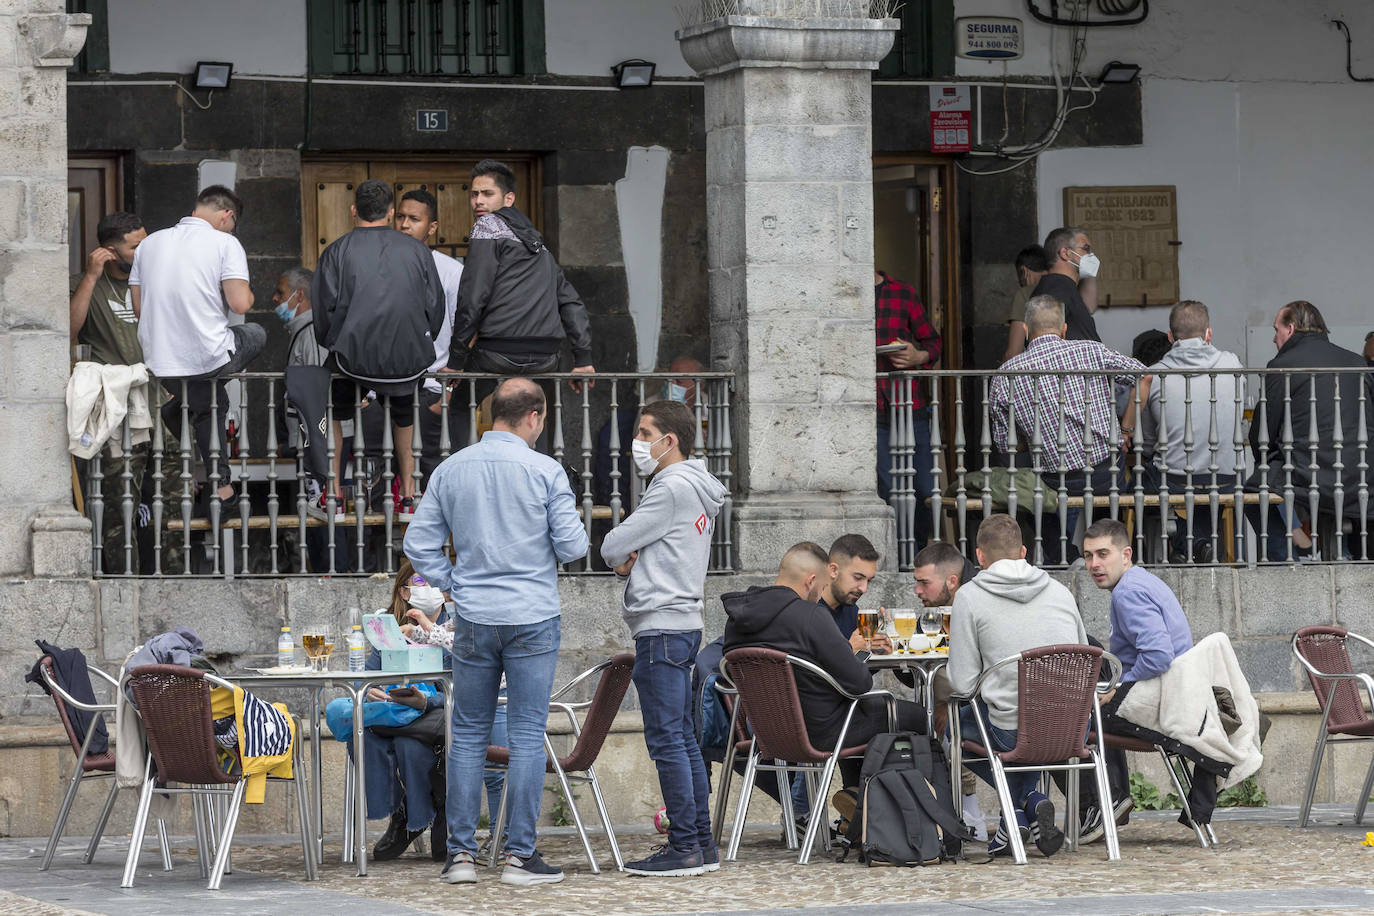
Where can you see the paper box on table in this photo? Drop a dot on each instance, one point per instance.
(397, 654)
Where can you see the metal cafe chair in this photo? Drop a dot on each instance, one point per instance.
(1323, 654)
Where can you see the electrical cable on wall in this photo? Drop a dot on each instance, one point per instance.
(1340, 24)
(1020, 155)
(209, 97)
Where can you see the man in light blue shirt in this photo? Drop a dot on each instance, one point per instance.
(513, 519)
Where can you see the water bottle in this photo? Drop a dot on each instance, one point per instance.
(357, 649)
(286, 649)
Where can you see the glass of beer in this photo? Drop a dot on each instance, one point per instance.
(312, 640)
(904, 622)
(868, 626)
(945, 613)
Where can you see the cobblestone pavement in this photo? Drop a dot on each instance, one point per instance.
(1264, 864)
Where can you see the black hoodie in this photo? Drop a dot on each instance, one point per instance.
(776, 618)
(514, 296)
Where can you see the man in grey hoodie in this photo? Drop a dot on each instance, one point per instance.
(1177, 424)
(663, 548)
(1008, 608)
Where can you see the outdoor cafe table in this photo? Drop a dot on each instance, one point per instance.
(356, 685)
(923, 665)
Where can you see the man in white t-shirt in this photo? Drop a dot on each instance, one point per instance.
(185, 282)
(417, 215)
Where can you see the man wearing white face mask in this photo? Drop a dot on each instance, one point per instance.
(663, 548)
(1072, 262)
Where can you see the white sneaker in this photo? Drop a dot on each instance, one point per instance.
(973, 817)
(459, 869)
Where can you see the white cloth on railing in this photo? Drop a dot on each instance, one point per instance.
(1181, 704)
(99, 397)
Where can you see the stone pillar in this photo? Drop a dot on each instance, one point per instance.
(40, 533)
(790, 226)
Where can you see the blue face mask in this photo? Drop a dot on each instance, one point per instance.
(286, 311)
(672, 391)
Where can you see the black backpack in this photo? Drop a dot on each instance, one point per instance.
(905, 812)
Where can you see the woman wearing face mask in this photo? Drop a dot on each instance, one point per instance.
(405, 773)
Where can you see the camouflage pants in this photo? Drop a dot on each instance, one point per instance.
(112, 493)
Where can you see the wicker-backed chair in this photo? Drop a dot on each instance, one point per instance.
(767, 685)
(1323, 654)
(174, 704)
(87, 765)
(577, 765)
(1057, 700)
(1178, 776)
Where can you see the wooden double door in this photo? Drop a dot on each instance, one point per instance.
(327, 187)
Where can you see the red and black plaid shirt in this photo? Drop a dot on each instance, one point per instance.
(899, 315)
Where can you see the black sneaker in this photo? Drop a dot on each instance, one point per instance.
(1092, 830)
(710, 858)
(393, 844)
(1000, 844)
(667, 862)
(1048, 838)
(533, 870)
(459, 869)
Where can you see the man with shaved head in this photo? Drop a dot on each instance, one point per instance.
(512, 519)
(786, 616)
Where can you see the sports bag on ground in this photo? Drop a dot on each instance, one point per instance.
(905, 813)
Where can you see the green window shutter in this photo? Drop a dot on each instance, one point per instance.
(95, 53)
(924, 45)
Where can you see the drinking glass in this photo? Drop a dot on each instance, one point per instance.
(312, 640)
(331, 637)
(930, 625)
(868, 626)
(904, 622)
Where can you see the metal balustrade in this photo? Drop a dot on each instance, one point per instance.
(1298, 440)
(169, 523)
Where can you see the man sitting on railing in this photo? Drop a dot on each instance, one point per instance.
(1064, 423)
(378, 304)
(184, 283)
(1318, 447)
(1181, 414)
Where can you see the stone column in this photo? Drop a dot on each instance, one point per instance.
(790, 226)
(40, 533)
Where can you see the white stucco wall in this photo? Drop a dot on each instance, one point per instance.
(588, 37)
(1248, 111)
(258, 36)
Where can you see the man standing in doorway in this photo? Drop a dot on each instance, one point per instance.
(184, 283)
(901, 319)
(512, 519)
(417, 216)
(663, 548)
(1072, 265)
(1030, 267)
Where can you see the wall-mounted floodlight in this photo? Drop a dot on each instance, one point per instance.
(1117, 72)
(634, 74)
(212, 74)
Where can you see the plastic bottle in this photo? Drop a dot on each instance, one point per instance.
(286, 649)
(357, 649)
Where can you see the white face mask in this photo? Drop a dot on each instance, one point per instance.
(426, 598)
(1088, 265)
(642, 452)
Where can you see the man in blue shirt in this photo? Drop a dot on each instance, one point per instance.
(513, 519)
(1149, 630)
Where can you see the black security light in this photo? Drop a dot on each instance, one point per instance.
(1117, 72)
(634, 74)
(211, 74)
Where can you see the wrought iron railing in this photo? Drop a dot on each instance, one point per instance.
(1296, 439)
(154, 512)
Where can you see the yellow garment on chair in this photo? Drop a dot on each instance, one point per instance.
(223, 703)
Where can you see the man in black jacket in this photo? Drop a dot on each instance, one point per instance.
(378, 303)
(1300, 333)
(787, 617)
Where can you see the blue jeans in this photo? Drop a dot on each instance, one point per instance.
(527, 655)
(1022, 783)
(663, 678)
(398, 772)
(924, 468)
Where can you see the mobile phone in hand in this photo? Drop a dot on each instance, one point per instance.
(398, 692)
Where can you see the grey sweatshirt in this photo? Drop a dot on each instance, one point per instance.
(1178, 399)
(671, 528)
(1008, 608)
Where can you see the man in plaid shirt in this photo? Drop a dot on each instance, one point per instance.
(1042, 401)
(900, 318)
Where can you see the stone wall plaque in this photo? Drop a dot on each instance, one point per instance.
(1134, 230)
